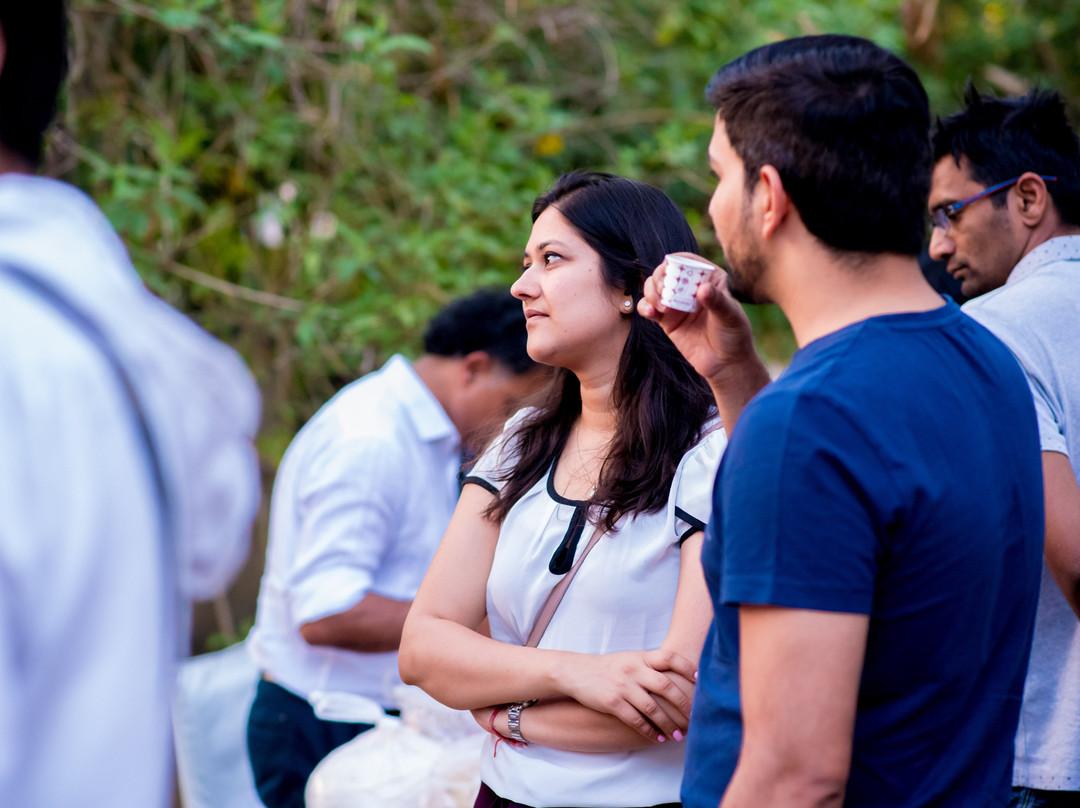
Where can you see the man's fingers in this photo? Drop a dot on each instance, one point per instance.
(658, 277)
(650, 306)
(715, 295)
(669, 319)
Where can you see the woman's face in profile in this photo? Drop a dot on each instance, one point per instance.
(574, 319)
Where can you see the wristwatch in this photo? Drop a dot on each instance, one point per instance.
(513, 719)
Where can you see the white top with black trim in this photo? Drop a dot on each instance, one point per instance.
(361, 501)
(621, 600)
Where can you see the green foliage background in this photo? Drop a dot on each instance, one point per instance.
(312, 179)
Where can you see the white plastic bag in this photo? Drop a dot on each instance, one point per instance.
(429, 758)
(210, 712)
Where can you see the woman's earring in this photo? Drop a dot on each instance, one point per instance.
(628, 306)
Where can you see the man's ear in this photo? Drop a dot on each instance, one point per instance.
(1032, 199)
(773, 199)
(475, 366)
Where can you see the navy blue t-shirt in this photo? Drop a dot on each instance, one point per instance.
(893, 471)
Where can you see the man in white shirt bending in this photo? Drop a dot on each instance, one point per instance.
(128, 477)
(360, 503)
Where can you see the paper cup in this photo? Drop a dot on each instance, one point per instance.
(681, 279)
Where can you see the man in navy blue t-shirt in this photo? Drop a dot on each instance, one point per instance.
(874, 567)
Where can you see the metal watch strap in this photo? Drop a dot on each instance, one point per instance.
(513, 719)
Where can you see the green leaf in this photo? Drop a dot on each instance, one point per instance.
(403, 42)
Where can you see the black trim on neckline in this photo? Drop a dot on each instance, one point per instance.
(480, 481)
(555, 495)
(563, 557)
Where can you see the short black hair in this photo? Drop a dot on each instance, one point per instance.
(490, 321)
(1004, 137)
(846, 124)
(34, 68)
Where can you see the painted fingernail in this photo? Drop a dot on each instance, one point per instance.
(678, 736)
(661, 738)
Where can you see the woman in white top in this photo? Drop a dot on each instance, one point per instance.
(626, 442)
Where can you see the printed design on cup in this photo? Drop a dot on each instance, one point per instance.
(681, 280)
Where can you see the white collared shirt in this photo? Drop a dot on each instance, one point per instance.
(361, 501)
(88, 614)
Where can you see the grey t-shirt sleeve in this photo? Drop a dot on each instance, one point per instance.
(1008, 326)
(1048, 413)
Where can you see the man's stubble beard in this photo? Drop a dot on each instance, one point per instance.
(746, 266)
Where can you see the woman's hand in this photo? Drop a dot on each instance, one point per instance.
(649, 691)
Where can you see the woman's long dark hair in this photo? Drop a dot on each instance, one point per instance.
(661, 402)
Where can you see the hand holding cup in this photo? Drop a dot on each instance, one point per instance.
(682, 276)
(714, 336)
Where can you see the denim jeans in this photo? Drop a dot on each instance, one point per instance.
(286, 741)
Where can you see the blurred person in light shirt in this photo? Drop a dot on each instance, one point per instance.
(128, 477)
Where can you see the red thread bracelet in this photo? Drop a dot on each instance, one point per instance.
(498, 735)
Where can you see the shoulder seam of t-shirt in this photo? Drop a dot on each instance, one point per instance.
(804, 397)
(501, 451)
(713, 431)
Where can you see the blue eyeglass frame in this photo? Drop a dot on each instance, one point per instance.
(941, 218)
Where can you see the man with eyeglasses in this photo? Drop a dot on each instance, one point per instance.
(1005, 208)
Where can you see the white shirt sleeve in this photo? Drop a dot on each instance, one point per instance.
(498, 458)
(693, 484)
(349, 503)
